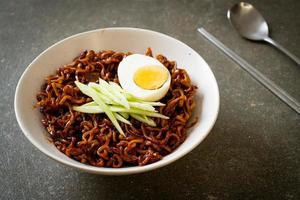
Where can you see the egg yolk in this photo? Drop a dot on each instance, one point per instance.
(151, 77)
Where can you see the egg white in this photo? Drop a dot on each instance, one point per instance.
(126, 70)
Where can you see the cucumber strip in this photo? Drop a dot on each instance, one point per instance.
(102, 96)
(121, 119)
(92, 103)
(131, 97)
(143, 118)
(142, 106)
(137, 111)
(93, 94)
(115, 86)
(106, 99)
(125, 115)
(88, 109)
(115, 92)
(104, 92)
(154, 103)
(124, 92)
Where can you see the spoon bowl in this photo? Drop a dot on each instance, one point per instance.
(248, 21)
(251, 25)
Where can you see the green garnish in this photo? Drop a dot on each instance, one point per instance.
(97, 99)
(117, 104)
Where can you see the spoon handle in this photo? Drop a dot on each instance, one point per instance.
(281, 48)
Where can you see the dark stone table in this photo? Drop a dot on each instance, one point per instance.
(253, 152)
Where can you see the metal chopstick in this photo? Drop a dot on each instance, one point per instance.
(278, 91)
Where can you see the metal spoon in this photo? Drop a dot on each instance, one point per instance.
(251, 25)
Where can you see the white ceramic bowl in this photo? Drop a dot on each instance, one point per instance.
(124, 40)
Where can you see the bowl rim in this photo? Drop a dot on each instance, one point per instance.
(104, 170)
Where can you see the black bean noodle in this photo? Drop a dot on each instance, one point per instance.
(92, 138)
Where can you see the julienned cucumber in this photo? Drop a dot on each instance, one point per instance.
(117, 104)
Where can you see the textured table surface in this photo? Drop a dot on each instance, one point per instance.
(253, 152)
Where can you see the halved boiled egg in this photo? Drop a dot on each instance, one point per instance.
(144, 77)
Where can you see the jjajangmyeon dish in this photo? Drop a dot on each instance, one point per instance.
(113, 109)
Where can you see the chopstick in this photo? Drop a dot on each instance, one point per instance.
(275, 89)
